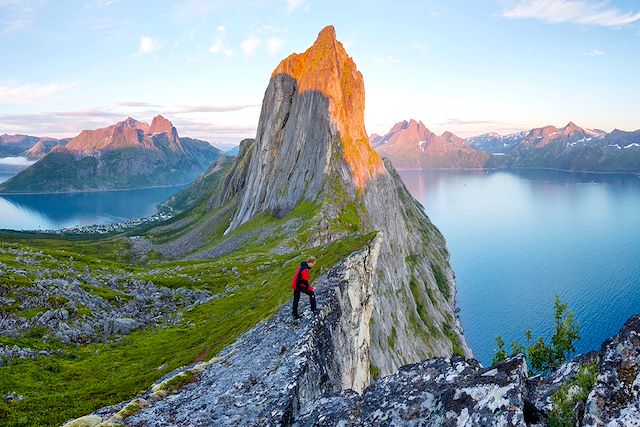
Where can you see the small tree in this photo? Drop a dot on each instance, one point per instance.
(544, 358)
(501, 353)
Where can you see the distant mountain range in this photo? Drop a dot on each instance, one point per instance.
(31, 147)
(128, 154)
(409, 145)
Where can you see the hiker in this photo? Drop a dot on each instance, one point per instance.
(300, 283)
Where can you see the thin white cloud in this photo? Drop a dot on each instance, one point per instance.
(418, 45)
(63, 124)
(104, 3)
(148, 45)
(250, 45)
(17, 14)
(137, 104)
(12, 92)
(584, 12)
(213, 108)
(274, 45)
(113, 28)
(596, 52)
(219, 43)
(294, 4)
(58, 124)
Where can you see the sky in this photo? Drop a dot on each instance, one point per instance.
(467, 67)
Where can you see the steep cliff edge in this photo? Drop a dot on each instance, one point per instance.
(311, 146)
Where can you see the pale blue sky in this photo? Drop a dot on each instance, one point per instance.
(464, 66)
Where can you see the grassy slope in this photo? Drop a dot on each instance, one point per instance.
(88, 377)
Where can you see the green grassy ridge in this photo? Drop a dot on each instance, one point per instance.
(88, 377)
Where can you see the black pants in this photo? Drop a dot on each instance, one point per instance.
(296, 298)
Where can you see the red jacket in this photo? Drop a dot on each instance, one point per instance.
(301, 278)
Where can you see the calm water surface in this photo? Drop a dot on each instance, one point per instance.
(518, 238)
(51, 211)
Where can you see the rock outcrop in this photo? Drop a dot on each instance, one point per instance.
(73, 306)
(615, 398)
(438, 392)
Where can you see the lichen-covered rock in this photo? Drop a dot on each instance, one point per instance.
(438, 392)
(87, 421)
(615, 397)
(302, 374)
(83, 307)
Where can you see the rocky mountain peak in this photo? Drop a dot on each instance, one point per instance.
(159, 124)
(326, 68)
(399, 126)
(127, 133)
(571, 129)
(37, 151)
(130, 122)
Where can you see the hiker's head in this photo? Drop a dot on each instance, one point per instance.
(311, 261)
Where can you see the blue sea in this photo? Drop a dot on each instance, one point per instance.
(54, 211)
(519, 238)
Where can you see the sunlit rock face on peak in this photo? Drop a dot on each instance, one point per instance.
(311, 123)
(326, 68)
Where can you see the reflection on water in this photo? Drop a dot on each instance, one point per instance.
(518, 238)
(50, 211)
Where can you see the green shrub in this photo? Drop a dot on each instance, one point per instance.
(543, 357)
(374, 370)
(565, 399)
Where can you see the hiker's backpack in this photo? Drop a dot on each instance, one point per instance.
(295, 279)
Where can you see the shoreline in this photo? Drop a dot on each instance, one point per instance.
(517, 168)
(92, 191)
(102, 229)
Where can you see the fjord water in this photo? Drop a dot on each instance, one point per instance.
(54, 211)
(518, 238)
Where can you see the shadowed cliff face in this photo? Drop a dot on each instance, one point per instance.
(311, 145)
(292, 152)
